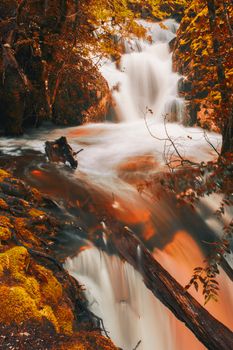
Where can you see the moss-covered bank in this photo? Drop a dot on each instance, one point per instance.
(38, 298)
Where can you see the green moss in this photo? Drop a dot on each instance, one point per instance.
(88, 341)
(35, 212)
(47, 312)
(4, 174)
(16, 305)
(14, 260)
(17, 259)
(65, 319)
(32, 286)
(39, 292)
(5, 221)
(5, 233)
(50, 288)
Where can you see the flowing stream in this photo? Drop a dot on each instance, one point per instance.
(118, 157)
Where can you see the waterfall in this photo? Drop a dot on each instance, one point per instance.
(130, 311)
(117, 294)
(146, 81)
(118, 156)
(144, 89)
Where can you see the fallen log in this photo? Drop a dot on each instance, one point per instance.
(226, 267)
(60, 151)
(212, 333)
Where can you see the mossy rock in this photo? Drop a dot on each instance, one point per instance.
(15, 260)
(85, 340)
(38, 300)
(5, 233)
(16, 305)
(50, 288)
(30, 291)
(5, 221)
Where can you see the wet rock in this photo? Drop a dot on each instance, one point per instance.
(83, 95)
(60, 151)
(184, 86)
(172, 44)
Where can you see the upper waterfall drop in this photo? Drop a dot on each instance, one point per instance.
(145, 81)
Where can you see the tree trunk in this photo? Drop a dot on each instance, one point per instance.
(212, 333)
(227, 135)
(226, 105)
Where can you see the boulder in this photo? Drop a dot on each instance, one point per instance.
(83, 95)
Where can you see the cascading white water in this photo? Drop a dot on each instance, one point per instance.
(144, 82)
(130, 312)
(127, 305)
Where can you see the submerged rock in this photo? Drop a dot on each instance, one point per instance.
(60, 151)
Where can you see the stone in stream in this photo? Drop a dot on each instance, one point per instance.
(60, 151)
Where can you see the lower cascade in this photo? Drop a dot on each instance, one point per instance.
(117, 293)
(130, 312)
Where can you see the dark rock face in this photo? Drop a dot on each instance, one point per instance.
(82, 96)
(12, 106)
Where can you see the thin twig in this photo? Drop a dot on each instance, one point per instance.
(138, 343)
(210, 143)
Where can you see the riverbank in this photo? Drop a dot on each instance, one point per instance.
(42, 306)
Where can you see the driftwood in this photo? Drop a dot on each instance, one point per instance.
(60, 151)
(212, 333)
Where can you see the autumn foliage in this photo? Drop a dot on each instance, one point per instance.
(203, 55)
